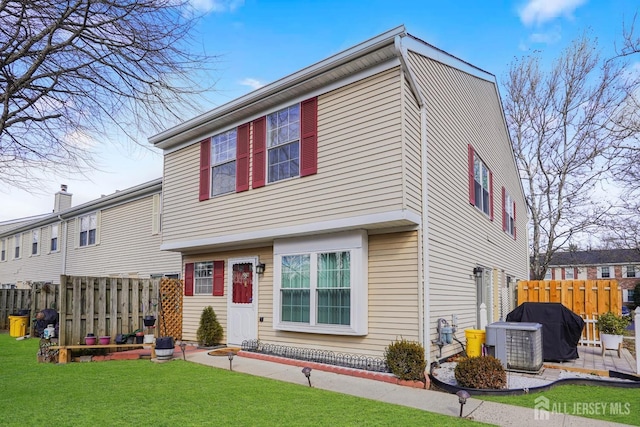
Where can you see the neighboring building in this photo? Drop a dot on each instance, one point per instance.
(622, 265)
(377, 188)
(115, 235)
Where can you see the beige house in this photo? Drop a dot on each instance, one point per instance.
(376, 189)
(115, 235)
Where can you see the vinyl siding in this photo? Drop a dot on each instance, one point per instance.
(359, 147)
(413, 151)
(44, 267)
(126, 246)
(393, 299)
(461, 110)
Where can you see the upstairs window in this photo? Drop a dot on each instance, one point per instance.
(508, 214)
(283, 143)
(223, 163)
(3, 250)
(35, 238)
(480, 184)
(88, 229)
(54, 238)
(604, 273)
(630, 271)
(17, 243)
(569, 273)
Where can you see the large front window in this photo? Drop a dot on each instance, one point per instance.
(203, 274)
(88, 227)
(321, 287)
(283, 143)
(223, 163)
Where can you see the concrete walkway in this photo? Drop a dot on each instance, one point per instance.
(427, 400)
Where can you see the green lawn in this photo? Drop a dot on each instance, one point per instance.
(142, 393)
(621, 405)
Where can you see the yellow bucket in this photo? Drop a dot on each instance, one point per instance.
(18, 326)
(475, 339)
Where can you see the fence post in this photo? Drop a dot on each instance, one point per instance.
(637, 328)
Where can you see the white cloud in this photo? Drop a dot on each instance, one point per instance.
(216, 6)
(547, 37)
(252, 83)
(541, 11)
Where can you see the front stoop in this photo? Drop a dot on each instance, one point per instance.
(359, 373)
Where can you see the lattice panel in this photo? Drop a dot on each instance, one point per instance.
(171, 308)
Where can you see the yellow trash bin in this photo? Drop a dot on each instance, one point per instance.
(18, 326)
(475, 339)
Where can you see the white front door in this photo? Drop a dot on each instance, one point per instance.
(242, 319)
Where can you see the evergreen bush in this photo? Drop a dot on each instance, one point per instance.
(406, 360)
(483, 372)
(209, 332)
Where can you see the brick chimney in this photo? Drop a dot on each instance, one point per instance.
(63, 199)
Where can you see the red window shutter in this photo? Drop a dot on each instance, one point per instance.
(514, 220)
(259, 152)
(472, 191)
(242, 158)
(575, 273)
(504, 210)
(563, 274)
(553, 273)
(205, 168)
(218, 278)
(309, 137)
(491, 194)
(188, 279)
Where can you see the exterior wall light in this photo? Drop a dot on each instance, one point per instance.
(477, 272)
(260, 268)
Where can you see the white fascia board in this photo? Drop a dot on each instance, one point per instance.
(425, 49)
(359, 222)
(306, 73)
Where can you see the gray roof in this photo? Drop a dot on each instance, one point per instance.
(596, 257)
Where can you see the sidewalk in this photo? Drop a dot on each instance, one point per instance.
(427, 400)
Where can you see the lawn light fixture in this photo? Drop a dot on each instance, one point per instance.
(477, 272)
(230, 355)
(183, 345)
(463, 395)
(307, 373)
(260, 268)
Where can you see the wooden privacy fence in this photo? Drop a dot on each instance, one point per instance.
(40, 295)
(586, 298)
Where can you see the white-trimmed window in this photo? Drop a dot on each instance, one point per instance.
(630, 271)
(223, 163)
(509, 214)
(3, 250)
(283, 143)
(203, 278)
(17, 243)
(53, 247)
(569, 273)
(604, 272)
(549, 274)
(88, 229)
(627, 295)
(481, 185)
(35, 240)
(320, 284)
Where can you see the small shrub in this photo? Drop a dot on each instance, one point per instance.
(482, 372)
(209, 332)
(406, 360)
(612, 324)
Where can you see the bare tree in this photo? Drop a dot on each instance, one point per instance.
(73, 72)
(562, 122)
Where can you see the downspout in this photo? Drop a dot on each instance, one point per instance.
(63, 232)
(423, 250)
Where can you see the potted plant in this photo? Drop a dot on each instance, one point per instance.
(611, 327)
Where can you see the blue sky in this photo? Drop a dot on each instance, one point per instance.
(257, 42)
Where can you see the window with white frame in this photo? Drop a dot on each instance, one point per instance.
(509, 215)
(17, 239)
(320, 284)
(203, 278)
(549, 274)
(223, 163)
(88, 228)
(3, 250)
(630, 271)
(569, 273)
(54, 238)
(283, 143)
(482, 188)
(604, 272)
(35, 239)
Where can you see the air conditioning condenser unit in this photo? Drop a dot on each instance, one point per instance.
(518, 345)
